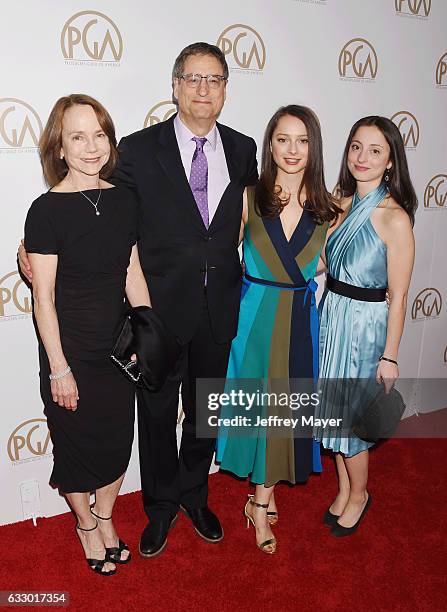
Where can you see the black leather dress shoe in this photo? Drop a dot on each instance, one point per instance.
(155, 536)
(205, 523)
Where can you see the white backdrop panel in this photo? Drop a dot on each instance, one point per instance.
(287, 52)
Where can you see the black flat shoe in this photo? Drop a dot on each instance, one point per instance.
(155, 536)
(339, 531)
(205, 523)
(330, 519)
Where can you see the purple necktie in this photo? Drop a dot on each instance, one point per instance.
(199, 179)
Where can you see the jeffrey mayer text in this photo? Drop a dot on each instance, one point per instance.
(272, 421)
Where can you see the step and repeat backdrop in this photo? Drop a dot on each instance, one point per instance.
(343, 58)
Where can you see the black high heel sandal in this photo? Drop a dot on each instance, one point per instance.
(97, 565)
(113, 553)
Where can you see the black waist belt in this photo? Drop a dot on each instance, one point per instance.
(364, 294)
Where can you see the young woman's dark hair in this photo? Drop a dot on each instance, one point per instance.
(399, 182)
(267, 196)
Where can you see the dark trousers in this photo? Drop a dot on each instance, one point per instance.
(169, 477)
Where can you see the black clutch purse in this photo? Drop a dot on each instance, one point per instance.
(144, 334)
(380, 417)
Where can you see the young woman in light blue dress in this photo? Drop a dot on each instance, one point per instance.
(369, 249)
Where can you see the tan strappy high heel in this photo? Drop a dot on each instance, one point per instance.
(272, 517)
(271, 542)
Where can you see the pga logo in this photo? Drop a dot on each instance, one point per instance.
(358, 60)
(91, 36)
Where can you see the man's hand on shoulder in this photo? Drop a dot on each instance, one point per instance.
(23, 261)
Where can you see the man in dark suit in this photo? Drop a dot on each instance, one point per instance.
(189, 174)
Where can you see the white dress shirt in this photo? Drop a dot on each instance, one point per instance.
(218, 177)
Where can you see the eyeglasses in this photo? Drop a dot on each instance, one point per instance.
(193, 80)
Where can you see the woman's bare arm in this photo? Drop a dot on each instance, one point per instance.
(395, 229)
(44, 267)
(136, 287)
(244, 215)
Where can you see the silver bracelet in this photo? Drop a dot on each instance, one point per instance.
(60, 374)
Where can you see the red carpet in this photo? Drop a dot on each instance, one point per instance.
(396, 561)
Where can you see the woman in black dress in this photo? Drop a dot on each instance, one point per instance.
(81, 239)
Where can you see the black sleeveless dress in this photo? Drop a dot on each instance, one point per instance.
(91, 445)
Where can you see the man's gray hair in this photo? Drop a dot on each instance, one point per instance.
(198, 48)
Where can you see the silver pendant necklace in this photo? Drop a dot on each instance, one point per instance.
(94, 204)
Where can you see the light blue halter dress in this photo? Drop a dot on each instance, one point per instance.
(352, 332)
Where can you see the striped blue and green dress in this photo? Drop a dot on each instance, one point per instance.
(276, 344)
